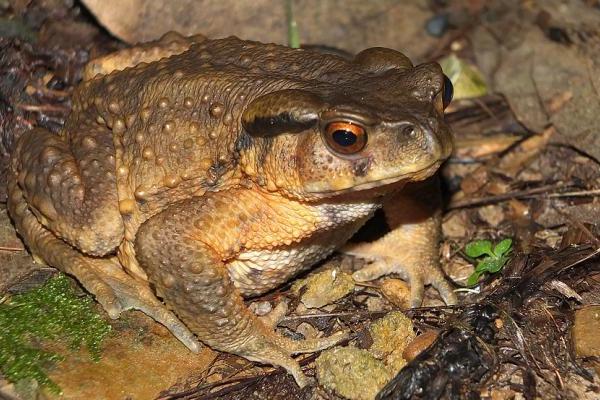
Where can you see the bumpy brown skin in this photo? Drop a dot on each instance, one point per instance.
(210, 174)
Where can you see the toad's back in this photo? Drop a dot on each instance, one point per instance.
(176, 122)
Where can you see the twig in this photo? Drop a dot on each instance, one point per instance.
(369, 285)
(519, 194)
(8, 248)
(43, 108)
(241, 383)
(332, 315)
(585, 258)
(580, 226)
(485, 108)
(581, 193)
(51, 92)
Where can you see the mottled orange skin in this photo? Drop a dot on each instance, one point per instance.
(208, 174)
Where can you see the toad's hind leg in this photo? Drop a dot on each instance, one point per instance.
(103, 277)
(192, 278)
(70, 185)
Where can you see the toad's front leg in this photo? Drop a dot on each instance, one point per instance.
(410, 249)
(182, 250)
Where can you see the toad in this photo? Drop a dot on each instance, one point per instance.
(203, 172)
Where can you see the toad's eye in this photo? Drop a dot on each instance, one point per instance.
(345, 137)
(448, 92)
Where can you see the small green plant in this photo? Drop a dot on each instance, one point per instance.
(490, 260)
(51, 312)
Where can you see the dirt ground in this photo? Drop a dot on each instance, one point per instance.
(526, 166)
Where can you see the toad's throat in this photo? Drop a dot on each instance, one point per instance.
(255, 272)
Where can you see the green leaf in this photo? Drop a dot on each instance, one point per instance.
(499, 264)
(473, 278)
(467, 79)
(478, 248)
(489, 264)
(503, 247)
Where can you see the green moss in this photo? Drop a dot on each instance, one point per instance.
(50, 312)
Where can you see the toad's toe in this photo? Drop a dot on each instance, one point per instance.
(274, 317)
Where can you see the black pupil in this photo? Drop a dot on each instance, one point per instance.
(448, 91)
(344, 138)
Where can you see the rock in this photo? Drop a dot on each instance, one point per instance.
(437, 25)
(359, 374)
(397, 292)
(352, 373)
(307, 330)
(138, 362)
(492, 214)
(391, 334)
(454, 225)
(362, 24)
(324, 287)
(585, 333)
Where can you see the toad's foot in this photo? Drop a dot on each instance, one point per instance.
(117, 292)
(272, 348)
(272, 319)
(416, 274)
(410, 252)
(275, 316)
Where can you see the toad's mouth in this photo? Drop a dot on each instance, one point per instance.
(384, 185)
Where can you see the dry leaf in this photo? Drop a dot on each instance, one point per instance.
(514, 53)
(419, 344)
